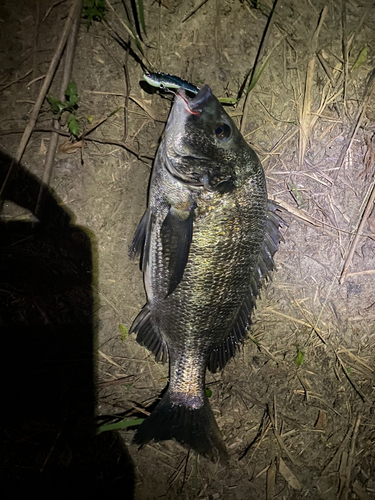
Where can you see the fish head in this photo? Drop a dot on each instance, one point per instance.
(204, 148)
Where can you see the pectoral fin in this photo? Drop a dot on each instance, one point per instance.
(176, 236)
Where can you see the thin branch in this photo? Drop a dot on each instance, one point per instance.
(369, 88)
(193, 11)
(344, 49)
(43, 91)
(366, 213)
(68, 66)
(100, 140)
(258, 61)
(305, 116)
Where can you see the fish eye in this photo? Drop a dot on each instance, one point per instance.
(223, 131)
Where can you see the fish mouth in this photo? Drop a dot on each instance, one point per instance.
(193, 105)
(183, 107)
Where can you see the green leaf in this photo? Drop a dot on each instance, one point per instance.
(135, 39)
(73, 125)
(123, 424)
(124, 331)
(71, 94)
(361, 59)
(228, 100)
(94, 10)
(208, 392)
(296, 192)
(57, 107)
(142, 15)
(257, 75)
(299, 358)
(253, 339)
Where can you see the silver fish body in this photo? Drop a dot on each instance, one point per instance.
(206, 240)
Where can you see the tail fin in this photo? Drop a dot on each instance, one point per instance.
(195, 428)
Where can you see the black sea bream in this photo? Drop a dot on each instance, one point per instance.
(206, 240)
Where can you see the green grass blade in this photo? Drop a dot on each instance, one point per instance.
(141, 15)
(123, 424)
(257, 75)
(299, 358)
(228, 100)
(361, 59)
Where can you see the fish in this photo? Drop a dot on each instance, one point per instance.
(206, 242)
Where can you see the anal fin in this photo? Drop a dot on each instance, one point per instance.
(148, 336)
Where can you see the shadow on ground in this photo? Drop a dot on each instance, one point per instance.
(47, 373)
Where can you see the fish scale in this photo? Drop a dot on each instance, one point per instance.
(206, 241)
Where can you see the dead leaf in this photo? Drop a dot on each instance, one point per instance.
(288, 475)
(42, 149)
(68, 147)
(360, 491)
(321, 422)
(271, 481)
(148, 109)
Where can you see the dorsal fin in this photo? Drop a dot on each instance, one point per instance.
(223, 353)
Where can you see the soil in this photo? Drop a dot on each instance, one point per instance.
(296, 406)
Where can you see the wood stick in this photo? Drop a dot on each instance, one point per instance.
(68, 66)
(127, 90)
(345, 49)
(366, 213)
(43, 91)
(114, 142)
(258, 60)
(369, 88)
(194, 11)
(305, 116)
(349, 465)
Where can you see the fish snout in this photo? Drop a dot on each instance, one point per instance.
(194, 105)
(203, 95)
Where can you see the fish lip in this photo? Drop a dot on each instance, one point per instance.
(193, 105)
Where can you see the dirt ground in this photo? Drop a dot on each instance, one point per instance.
(296, 406)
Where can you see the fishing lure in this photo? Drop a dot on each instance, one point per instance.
(165, 81)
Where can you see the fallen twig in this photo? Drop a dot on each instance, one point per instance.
(294, 460)
(339, 449)
(348, 377)
(347, 146)
(114, 142)
(258, 61)
(305, 114)
(68, 66)
(349, 464)
(47, 82)
(19, 79)
(127, 89)
(353, 245)
(345, 49)
(194, 11)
